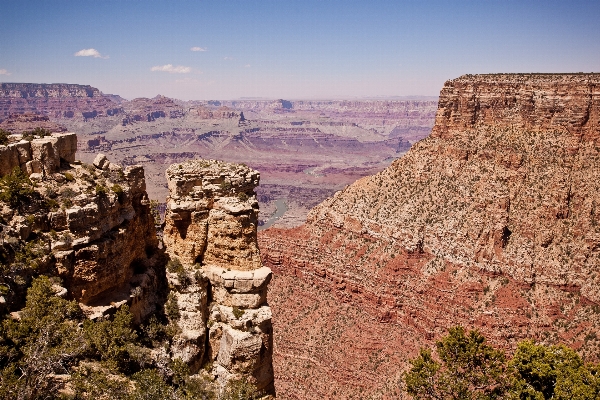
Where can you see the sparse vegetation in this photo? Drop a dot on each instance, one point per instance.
(107, 358)
(101, 190)
(15, 188)
(37, 132)
(4, 137)
(69, 177)
(466, 367)
(172, 308)
(225, 185)
(237, 312)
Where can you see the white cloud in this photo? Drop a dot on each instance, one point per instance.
(89, 53)
(247, 66)
(196, 48)
(228, 58)
(179, 69)
(4, 72)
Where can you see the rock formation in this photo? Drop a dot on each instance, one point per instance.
(90, 228)
(491, 223)
(210, 228)
(41, 155)
(96, 219)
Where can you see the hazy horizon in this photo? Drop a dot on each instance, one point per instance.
(293, 50)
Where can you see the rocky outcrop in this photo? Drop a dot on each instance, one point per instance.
(111, 234)
(219, 113)
(212, 214)
(41, 155)
(566, 103)
(490, 223)
(92, 222)
(148, 110)
(210, 228)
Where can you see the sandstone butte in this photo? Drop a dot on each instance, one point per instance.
(91, 226)
(492, 222)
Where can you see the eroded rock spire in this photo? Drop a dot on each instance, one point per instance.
(219, 283)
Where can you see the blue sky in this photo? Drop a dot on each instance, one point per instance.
(290, 49)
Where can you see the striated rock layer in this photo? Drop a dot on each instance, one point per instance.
(57, 100)
(210, 229)
(491, 222)
(92, 223)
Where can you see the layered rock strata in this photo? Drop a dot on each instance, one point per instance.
(210, 227)
(57, 100)
(490, 223)
(93, 222)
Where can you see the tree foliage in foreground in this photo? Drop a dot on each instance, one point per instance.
(468, 368)
(51, 342)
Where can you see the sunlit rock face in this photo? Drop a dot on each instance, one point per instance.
(210, 227)
(490, 223)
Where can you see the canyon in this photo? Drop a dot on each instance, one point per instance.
(489, 223)
(305, 150)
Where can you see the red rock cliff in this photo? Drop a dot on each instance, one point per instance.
(491, 222)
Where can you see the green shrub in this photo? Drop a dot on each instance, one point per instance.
(180, 371)
(237, 389)
(172, 308)
(225, 185)
(30, 219)
(237, 312)
(4, 137)
(175, 266)
(101, 190)
(150, 386)
(29, 254)
(39, 132)
(51, 204)
(88, 383)
(69, 177)
(15, 188)
(118, 189)
(242, 196)
(45, 338)
(111, 339)
(198, 388)
(153, 332)
(467, 368)
(67, 203)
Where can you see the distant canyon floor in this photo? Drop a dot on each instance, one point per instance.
(305, 151)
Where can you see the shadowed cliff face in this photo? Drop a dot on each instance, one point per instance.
(491, 222)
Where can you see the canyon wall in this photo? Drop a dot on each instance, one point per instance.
(491, 223)
(58, 100)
